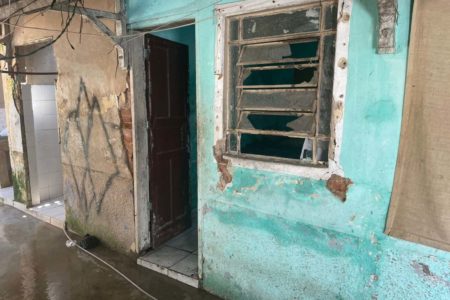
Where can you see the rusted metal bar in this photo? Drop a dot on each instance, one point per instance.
(275, 133)
(279, 61)
(272, 110)
(301, 85)
(294, 66)
(286, 37)
(28, 73)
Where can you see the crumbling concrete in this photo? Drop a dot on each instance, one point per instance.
(338, 185)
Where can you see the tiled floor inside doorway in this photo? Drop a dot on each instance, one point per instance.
(178, 258)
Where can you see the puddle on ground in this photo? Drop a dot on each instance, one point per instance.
(35, 264)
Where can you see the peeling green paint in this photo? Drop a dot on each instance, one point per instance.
(276, 236)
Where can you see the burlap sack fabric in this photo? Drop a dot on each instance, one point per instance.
(420, 204)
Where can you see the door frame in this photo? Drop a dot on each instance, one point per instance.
(141, 173)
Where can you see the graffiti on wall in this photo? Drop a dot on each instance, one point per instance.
(85, 128)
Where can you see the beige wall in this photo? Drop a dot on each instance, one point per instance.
(92, 99)
(2, 101)
(2, 108)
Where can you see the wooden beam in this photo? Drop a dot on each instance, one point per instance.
(387, 19)
(102, 27)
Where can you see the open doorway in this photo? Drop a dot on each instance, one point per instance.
(38, 88)
(171, 85)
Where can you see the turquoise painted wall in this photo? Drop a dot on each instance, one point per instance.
(186, 36)
(273, 236)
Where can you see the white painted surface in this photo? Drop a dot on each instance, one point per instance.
(31, 144)
(339, 87)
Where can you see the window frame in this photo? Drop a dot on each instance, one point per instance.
(339, 87)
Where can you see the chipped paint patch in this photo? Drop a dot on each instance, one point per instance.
(424, 270)
(206, 209)
(222, 165)
(338, 185)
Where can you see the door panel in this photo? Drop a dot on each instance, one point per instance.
(167, 72)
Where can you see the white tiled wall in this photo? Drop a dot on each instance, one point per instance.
(46, 144)
(31, 143)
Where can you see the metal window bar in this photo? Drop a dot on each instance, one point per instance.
(237, 110)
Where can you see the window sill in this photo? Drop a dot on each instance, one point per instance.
(302, 170)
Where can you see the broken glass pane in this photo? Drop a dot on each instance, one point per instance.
(330, 17)
(276, 146)
(306, 76)
(326, 84)
(303, 123)
(307, 150)
(322, 150)
(282, 23)
(233, 82)
(234, 30)
(279, 52)
(232, 142)
(292, 100)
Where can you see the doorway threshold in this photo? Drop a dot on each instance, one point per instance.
(177, 258)
(50, 211)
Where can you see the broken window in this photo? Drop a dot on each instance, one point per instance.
(279, 79)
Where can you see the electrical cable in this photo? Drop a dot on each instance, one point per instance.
(175, 14)
(13, 14)
(109, 265)
(68, 21)
(126, 38)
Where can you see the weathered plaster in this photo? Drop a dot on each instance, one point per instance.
(94, 119)
(276, 236)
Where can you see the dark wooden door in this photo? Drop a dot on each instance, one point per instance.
(167, 80)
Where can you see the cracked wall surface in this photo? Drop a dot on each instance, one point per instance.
(94, 120)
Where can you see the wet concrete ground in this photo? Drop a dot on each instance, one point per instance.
(36, 264)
